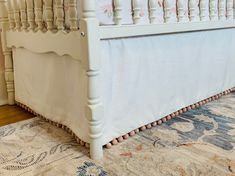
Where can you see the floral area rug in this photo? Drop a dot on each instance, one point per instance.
(199, 142)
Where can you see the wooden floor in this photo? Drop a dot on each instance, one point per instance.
(12, 114)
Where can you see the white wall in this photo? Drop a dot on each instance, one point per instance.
(3, 94)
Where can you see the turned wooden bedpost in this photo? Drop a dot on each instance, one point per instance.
(11, 14)
(222, 9)
(203, 9)
(38, 14)
(49, 14)
(30, 14)
(59, 14)
(213, 10)
(192, 10)
(152, 11)
(167, 11)
(16, 15)
(9, 75)
(136, 11)
(23, 15)
(233, 9)
(89, 27)
(73, 15)
(118, 12)
(229, 6)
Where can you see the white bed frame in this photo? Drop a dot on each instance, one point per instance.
(22, 19)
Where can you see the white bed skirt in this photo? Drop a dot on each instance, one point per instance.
(143, 79)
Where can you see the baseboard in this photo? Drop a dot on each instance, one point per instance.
(3, 102)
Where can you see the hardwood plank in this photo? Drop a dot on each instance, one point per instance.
(13, 114)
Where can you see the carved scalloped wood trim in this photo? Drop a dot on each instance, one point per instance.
(39, 42)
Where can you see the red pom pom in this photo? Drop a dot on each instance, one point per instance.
(132, 133)
(143, 128)
(154, 124)
(114, 142)
(126, 136)
(120, 139)
(159, 122)
(193, 106)
(108, 146)
(149, 126)
(168, 117)
(137, 130)
(164, 120)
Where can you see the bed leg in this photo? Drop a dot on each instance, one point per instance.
(89, 28)
(9, 75)
(94, 114)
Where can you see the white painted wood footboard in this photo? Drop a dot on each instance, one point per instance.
(39, 26)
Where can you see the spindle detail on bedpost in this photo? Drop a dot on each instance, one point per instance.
(203, 10)
(10, 15)
(181, 10)
(30, 14)
(233, 9)
(23, 14)
(222, 9)
(118, 11)
(73, 15)
(167, 11)
(136, 9)
(229, 6)
(49, 14)
(16, 14)
(152, 11)
(38, 14)
(192, 10)
(59, 15)
(89, 27)
(9, 76)
(213, 9)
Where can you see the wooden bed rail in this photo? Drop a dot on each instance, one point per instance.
(50, 15)
(41, 15)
